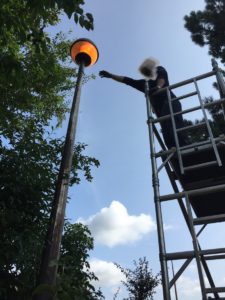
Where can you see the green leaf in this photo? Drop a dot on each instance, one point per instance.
(79, 10)
(76, 18)
(81, 21)
(89, 16)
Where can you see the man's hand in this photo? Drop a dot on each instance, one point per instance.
(153, 90)
(105, 74)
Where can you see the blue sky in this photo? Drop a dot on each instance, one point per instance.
(118, 205)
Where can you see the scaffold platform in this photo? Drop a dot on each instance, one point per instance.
(212, 202)
(196, 172)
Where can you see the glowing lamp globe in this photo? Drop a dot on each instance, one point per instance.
(84, 51)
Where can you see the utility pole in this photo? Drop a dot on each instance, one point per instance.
(84, 53)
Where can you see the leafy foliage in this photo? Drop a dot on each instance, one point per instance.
(75, 275)
(207, 27)
(34, 73)
(216, 122)
(26, 193)
(140, 282)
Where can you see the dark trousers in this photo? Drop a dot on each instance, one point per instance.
(167, 128)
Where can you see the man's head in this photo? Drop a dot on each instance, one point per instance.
(148, 68)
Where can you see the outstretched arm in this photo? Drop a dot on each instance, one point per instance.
(137, 84)
(105, 74)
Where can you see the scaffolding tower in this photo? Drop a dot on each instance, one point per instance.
(197, 175)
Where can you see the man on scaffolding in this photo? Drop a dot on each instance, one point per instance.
(157, 78)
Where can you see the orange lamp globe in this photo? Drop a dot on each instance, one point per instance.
(84, 51)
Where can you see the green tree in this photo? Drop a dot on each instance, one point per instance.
(140, 282)
(74, 281)
(35, 77)
(28, 172)
(207, 27)
(75, 274)
(216, 121)
(217, 117)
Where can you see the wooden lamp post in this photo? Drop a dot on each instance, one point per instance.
(84, 53)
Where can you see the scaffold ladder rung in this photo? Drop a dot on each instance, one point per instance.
(191, 254)
(209, 219)
(214, 257)
(215, 290)
(185, 96)
(191, 126)
(203, 165)
(211, 137)
(205, 122)
(194, 145)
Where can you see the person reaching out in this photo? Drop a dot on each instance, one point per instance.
(157, 78)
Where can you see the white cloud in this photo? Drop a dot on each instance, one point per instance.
(110, 278)
(114, 226)
(189, 288)
(108, 274)
(168, 227)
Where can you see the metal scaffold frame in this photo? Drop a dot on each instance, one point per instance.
(183, 196)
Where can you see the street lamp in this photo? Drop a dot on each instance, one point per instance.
(84, 53)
